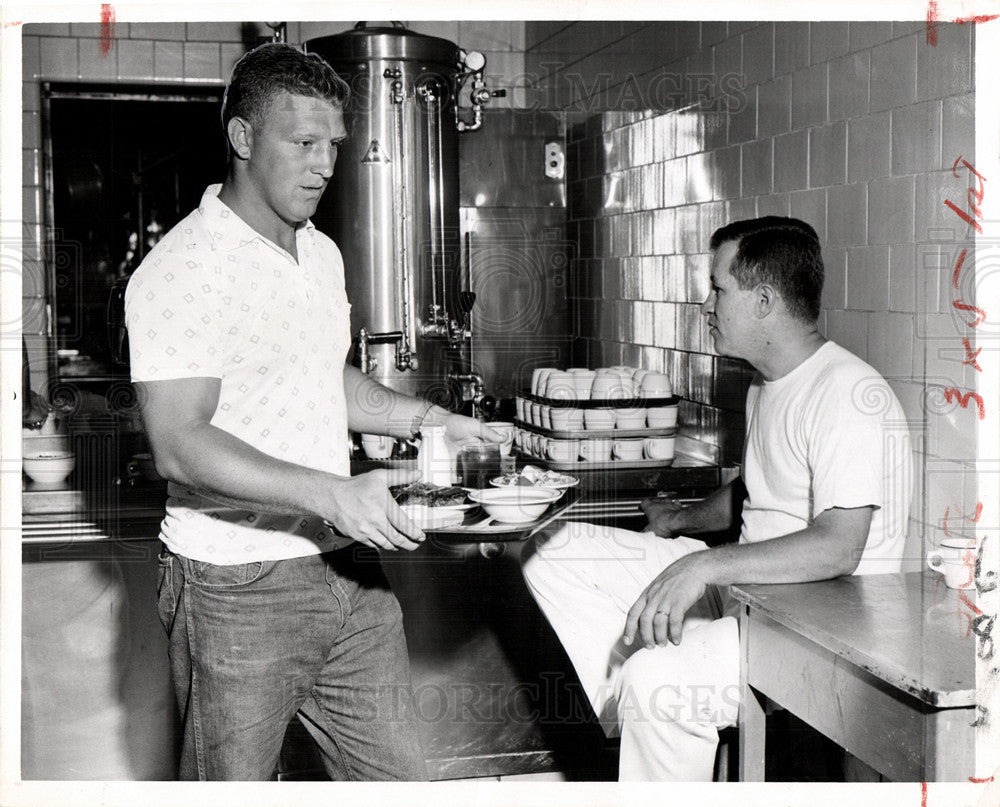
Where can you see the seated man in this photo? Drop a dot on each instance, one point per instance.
(645, 617)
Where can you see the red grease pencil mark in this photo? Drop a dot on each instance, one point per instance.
(107, 27)
(953, 393)
(976, 20)
(976, 781)
(958, 267)
(923, 794)
(933, 19)
(12, 24)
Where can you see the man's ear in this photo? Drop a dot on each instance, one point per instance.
(240, 134)
(766, 300)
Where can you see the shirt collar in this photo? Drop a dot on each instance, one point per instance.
(229, 231)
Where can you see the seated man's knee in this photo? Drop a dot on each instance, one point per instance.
(657, 685)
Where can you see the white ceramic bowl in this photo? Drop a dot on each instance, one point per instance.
(515, 504)
(49, 469)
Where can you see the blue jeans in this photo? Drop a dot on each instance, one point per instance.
(319, 638)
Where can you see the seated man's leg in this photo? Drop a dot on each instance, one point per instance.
(585, 577)
(672, 700)
(246, 644)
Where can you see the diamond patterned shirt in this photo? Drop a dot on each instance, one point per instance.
(216, 299)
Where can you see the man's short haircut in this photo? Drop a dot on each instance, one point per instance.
(275, 67)
(782, 252)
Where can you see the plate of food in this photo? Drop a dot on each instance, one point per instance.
(432, 507)
(532, 476)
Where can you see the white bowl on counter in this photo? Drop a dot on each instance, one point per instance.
(515, 504)
(49, 469)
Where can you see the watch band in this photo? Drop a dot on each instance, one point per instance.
(418, 421)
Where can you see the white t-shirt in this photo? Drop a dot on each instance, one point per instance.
(216, 299)
(830, 433)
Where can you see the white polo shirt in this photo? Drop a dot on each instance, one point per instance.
(216, 299)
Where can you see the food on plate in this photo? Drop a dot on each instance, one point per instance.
(433, 518)
(531, 476)
(429, 495)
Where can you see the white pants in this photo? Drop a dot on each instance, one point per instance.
(667, 702)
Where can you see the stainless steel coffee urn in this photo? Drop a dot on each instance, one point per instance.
(392, 205)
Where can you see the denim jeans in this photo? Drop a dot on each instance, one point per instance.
(319, 638)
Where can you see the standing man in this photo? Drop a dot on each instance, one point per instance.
(239, 329)
(646, 617)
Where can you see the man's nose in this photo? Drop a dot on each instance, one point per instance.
(708, 306)
(325, 161)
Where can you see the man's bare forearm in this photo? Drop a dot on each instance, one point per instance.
(715, 513)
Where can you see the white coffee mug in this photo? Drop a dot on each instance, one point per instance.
(595, 449)
(627, 450)
(656, 385)
(630, 418)
(563, 450)
(377, 446)
(956, 559)
(560, 386)
(566, 420)
(538, 379)
(658, 448)
(662, 417)
(507, 430)
(598, 419)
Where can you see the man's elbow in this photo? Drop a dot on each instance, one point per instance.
(168, 459)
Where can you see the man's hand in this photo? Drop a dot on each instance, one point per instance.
(658, 614)
(460, 430)
(362, 508)
(664, 516)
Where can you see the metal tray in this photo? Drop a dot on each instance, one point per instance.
(600, 403)
(604, 465)
(584, 434)
(469, 531)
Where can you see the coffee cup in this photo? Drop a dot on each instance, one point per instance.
(566, 420)
(377, 446)
(559, 386)
(662, 417)
(956, 560)
(583, 381)
(655, 385)
(538, 378)
(630, 418)
(507, 430)
(545, 416)
(628, 450)
(595, 449)
(609, 386)
(535, 413)
(520, 405)
(563, 450)
(598, 419)
(658, 448)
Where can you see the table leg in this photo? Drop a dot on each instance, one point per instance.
(752, 718)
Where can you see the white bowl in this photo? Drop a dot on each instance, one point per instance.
(49, 469)
(515, 504)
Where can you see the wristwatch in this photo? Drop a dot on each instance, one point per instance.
(418, 420)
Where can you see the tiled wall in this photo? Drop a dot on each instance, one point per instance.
(853, 127)
(179, 53)
(158, 53)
